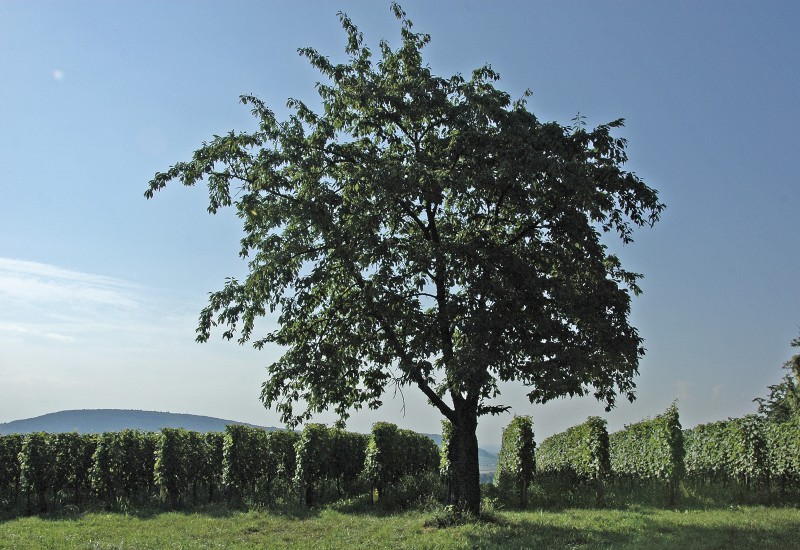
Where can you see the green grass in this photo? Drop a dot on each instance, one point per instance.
(332, 527)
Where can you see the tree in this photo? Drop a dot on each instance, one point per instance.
(783, 402)
(425, 231)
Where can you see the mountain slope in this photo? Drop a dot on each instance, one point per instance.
(114, 420)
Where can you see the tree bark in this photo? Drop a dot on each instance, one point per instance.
(465, 487)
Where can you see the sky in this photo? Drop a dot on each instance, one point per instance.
(100, 289)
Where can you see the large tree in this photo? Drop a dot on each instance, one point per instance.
(425, 231)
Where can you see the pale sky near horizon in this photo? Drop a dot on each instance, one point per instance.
(100, 289)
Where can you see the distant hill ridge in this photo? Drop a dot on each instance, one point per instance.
(114, 420)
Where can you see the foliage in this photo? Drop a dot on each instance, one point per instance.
(312, 451)
(72, 463)
(282, 452)
(328, 457)
(425, 231)
(423, 490)
(783, 402)
(446, 452)
(653, 450)
(215, 444)
(137, 463)
(393, 454)
(445, 455)
(36, 468)
(245, 456)
(783, 452)
(105, 465)
(581, 452)
(349, 451)
(282, 465)
(181, 463)
(650, 449)
(10, 447)
(123, 466)
(516, 464)
(575, 457)
(731, 450)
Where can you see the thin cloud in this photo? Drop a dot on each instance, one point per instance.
(12, 328)
(45, 302)
(59, 337)
(37, 283)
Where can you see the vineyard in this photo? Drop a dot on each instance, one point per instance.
(745, 460)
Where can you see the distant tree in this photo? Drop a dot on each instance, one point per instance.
(425, 231)
(783, 402)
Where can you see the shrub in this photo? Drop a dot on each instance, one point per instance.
(393, 454)
(516, 464)
(327, 459)
(215, 442)
(36, 469)
(446, 457)
(10, 448)
(72, 464)
(574, 457)
(732, 450)
(651, 450)
(783, 452)
(245, 462)
(123, 466)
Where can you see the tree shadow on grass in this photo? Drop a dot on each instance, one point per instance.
(145, 512)
(654, 531)
(688, 496)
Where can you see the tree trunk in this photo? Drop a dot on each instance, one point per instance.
(465, 483)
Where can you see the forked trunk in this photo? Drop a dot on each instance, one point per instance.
(465, 487)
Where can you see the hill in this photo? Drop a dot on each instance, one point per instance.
(114, 420)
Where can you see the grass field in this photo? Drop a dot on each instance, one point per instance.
(634, 527)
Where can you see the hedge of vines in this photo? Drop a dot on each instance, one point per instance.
(393, 453)
(745, 450)
(650, 449)
(516, 463)
(328, 459)
(783, 453)
(188, 463)
(580, 453)
(122, 466)
(245, 462)
(40, 471)
(10, 475)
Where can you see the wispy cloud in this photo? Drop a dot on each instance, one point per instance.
(59, 337)
(49, 303)
(23, 281)
(12, 328)
(48, 306)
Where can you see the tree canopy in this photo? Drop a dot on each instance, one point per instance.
(416, 230)
(783, 402)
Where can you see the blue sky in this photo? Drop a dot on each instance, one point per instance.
(100, 289)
